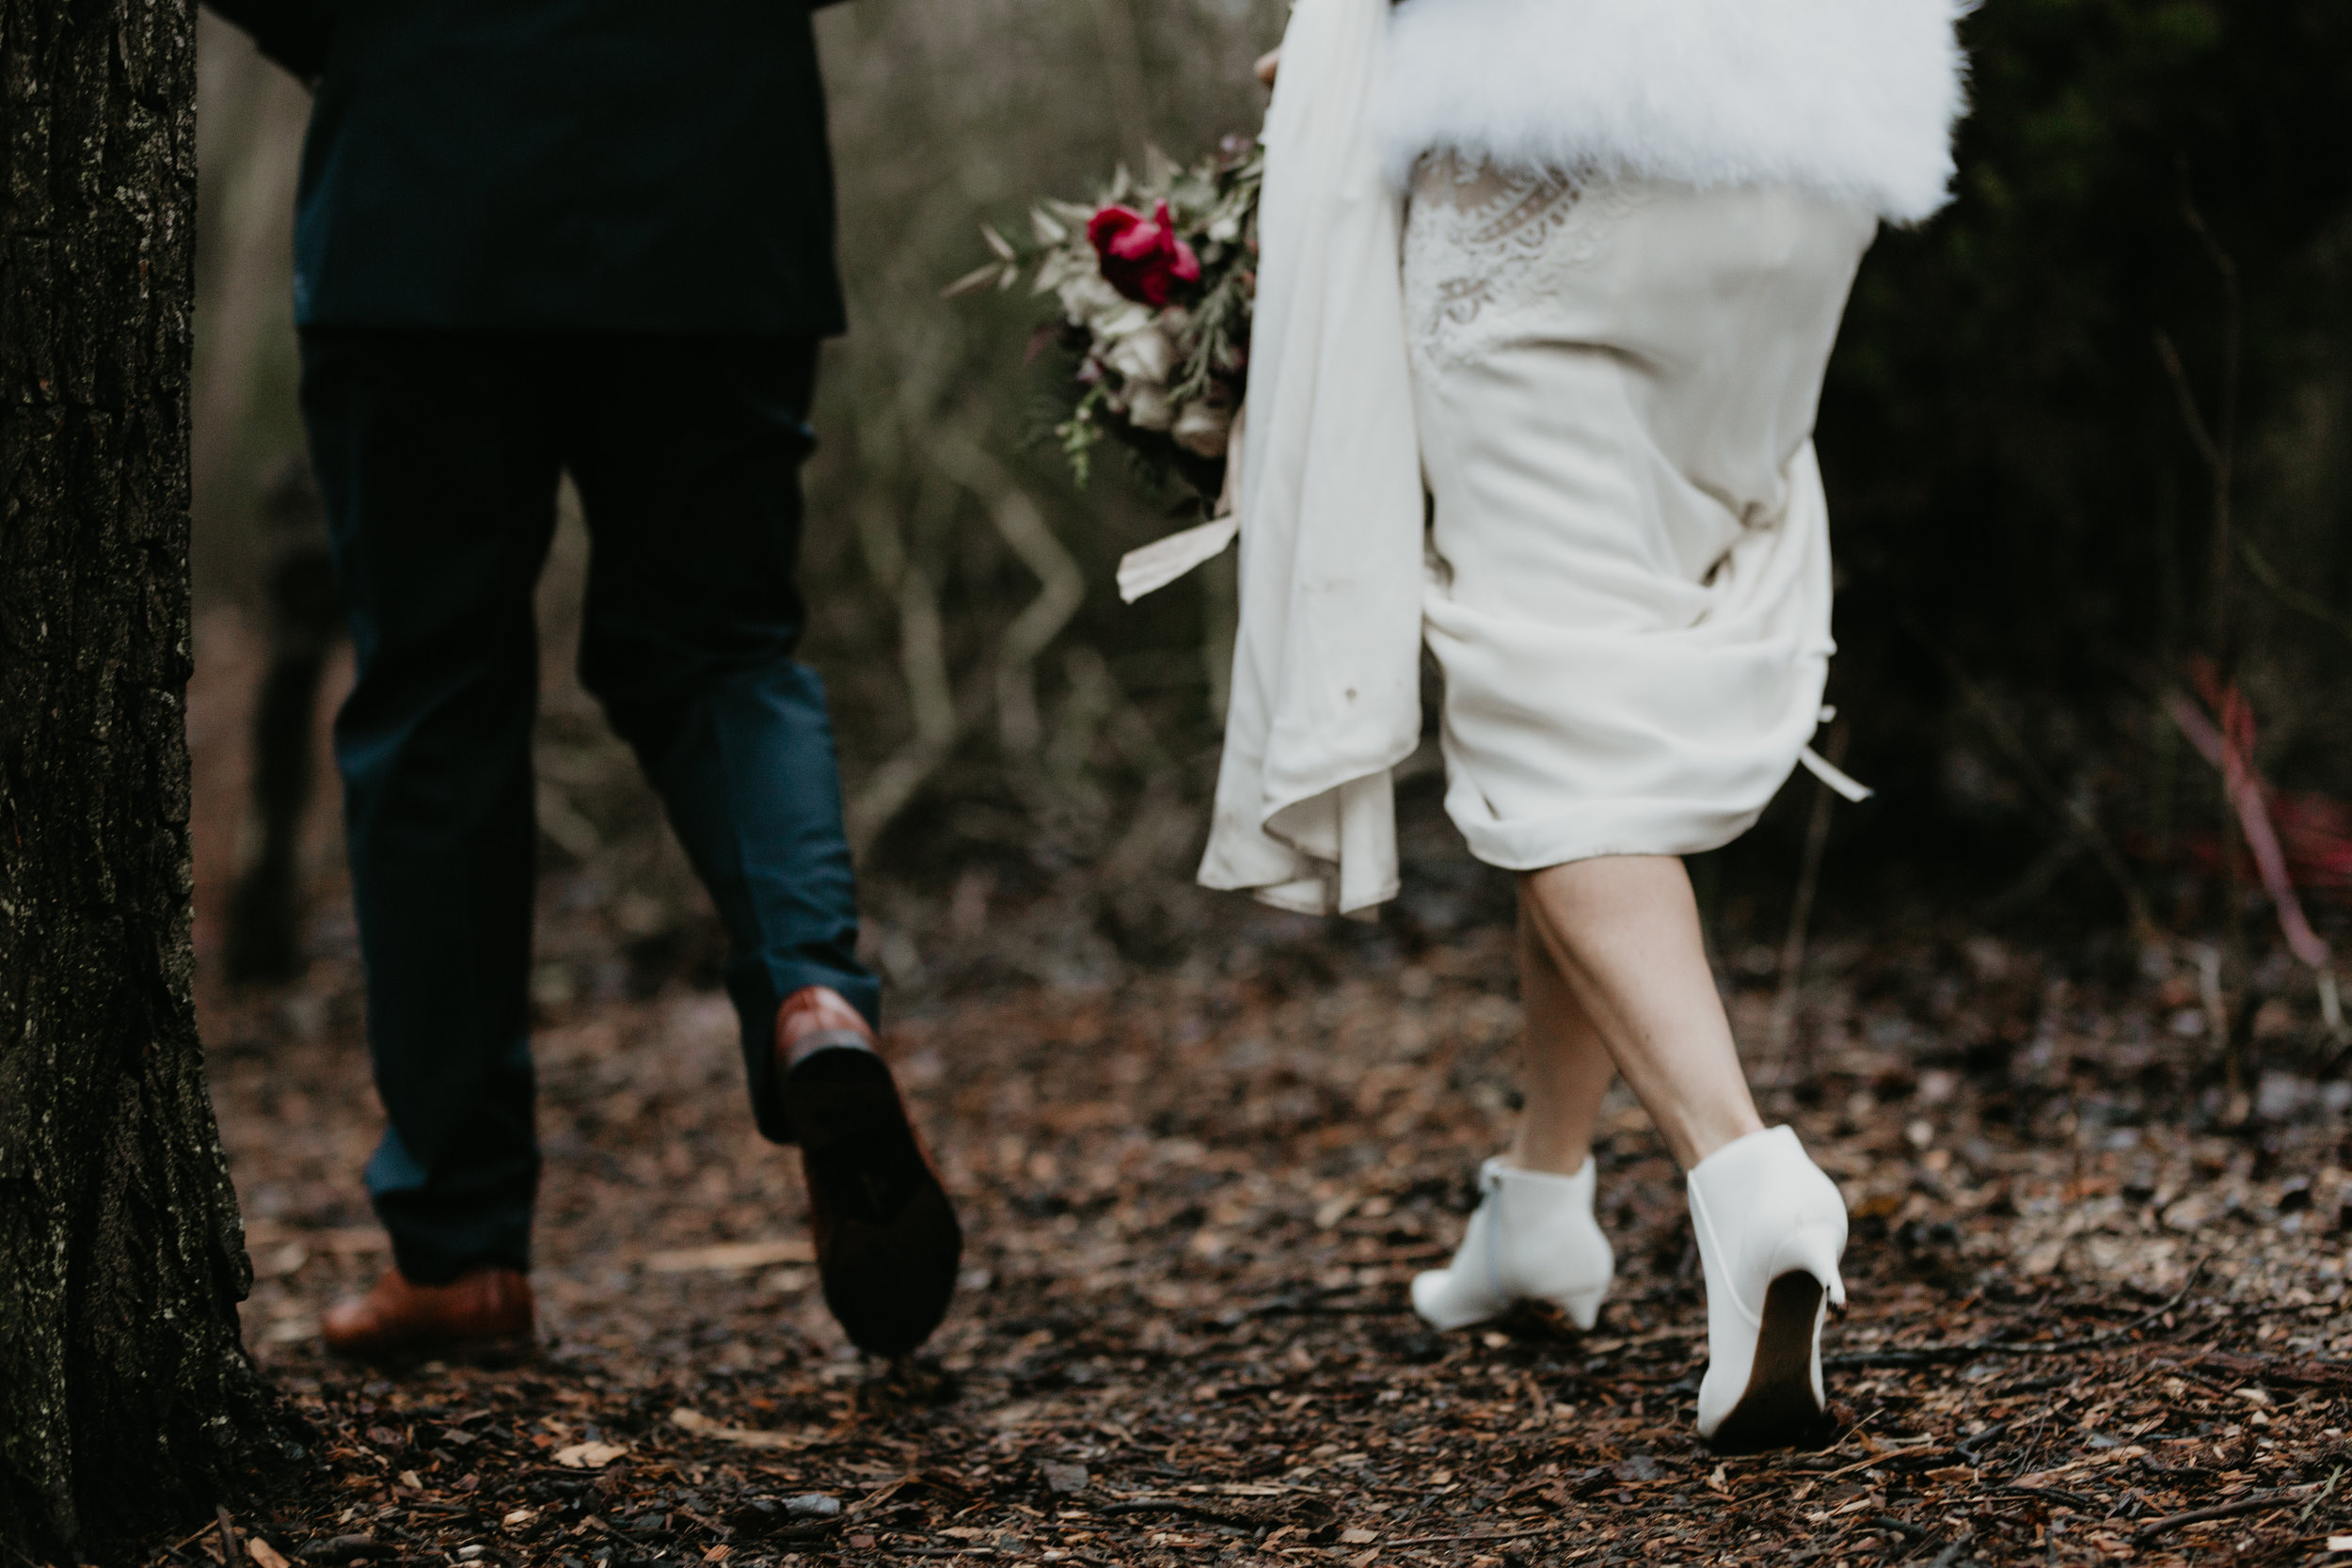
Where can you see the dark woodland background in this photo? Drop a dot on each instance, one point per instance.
(2133, 324)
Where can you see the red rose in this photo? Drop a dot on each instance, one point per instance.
(1142, 258)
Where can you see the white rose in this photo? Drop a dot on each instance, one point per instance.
(1200, 429)
(1122, 319)
(1060, 267)
(1145, 355)
(1086, 300)
(1148, 406)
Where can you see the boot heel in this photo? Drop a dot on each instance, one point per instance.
(1814, 1249)
(1772, 1228)
(1582, 1307)
(1782, 1404)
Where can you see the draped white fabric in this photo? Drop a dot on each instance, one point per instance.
(1612, 400)
(1326, 692)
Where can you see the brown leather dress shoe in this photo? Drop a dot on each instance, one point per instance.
(887, 1240)
(489, 1311)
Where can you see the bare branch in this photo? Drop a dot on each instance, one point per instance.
(2191, 415)
(2068, 810)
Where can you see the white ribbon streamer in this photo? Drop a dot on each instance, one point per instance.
(1837, 777)
(1154, 567)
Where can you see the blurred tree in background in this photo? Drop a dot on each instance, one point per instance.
(2025, 520)
(2024, 513)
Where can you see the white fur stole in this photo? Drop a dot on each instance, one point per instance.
(1854, 99)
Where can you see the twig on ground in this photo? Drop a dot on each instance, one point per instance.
(2304, 1369)
(2324, 1491)
(801, 1534)
(191, 1537)
(1295, 1309)
(1968, 1448)
(2072, 1499)
(1929, 1355)
(2260, 1502)
(1952, 1553)
(1467, 1540)
(1177, 1505)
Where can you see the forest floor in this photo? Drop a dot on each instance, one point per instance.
(2098, 1305)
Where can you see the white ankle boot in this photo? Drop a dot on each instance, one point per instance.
(1533, 1238)
(1771, 1229)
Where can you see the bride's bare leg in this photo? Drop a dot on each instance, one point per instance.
(1623, 932)
(1564, 1067)
(1534, 1237)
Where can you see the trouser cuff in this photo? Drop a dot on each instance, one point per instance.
(757, 991)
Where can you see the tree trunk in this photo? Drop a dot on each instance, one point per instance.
(127, 1401)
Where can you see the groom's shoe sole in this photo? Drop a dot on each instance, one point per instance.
(1777, 1410)
(888, 1245)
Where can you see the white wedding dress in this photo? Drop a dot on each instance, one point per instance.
(1628, 238)
(1629, 585)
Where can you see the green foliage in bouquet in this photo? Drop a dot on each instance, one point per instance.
(1153, 285)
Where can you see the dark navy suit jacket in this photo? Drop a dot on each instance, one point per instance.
(654, 165)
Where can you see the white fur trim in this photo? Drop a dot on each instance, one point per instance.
(1850, 98)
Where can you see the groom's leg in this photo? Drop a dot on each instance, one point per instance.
(687, 452)
(688, 456)
(437, 467)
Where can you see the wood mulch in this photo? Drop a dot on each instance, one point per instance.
(2098, 1302)
(2091, 1318)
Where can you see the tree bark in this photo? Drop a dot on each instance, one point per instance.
(127, 1401)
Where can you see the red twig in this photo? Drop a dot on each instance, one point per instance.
(2228, 746)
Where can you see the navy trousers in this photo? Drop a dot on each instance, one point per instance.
(438, 454)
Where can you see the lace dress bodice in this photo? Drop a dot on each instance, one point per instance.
(1484, 248)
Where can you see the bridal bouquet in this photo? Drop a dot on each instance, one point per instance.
(1154, 284)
